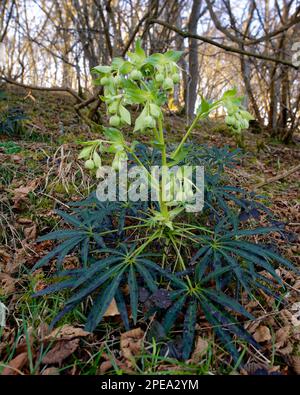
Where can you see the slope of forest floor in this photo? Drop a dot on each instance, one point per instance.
(42, 173)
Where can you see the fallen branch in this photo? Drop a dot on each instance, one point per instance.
(85, 103)
(278, 177)
(40, 88)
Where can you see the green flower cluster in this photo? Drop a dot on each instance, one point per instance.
(237, 118)
(167, 75)
(238, 121)
(141, 80)
(92, 150)
(91, 154)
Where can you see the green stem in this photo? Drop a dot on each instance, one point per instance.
(192, 126)
(125, 228)
(143, 246)
(180, 258)
(185, 137)
(150, 177)
(163, 206)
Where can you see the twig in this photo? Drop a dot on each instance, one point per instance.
(278, 177)
(227, 48)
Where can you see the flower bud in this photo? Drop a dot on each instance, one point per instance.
(168, 84)
(89, 164)
(135, 75)
(175, 78)
(104, 81)
(113, 107)
(115, 121)
(155, 110)
(159, 77)
(230, 120)
(96, 159)
(149, 122)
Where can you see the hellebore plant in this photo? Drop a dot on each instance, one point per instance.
(148, 82)
(153, 258)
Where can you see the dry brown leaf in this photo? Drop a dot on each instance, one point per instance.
(131, 344)
(111, 358)
(282, 336)
(296, 363)
(15, 365)
(200, 349)
(16, 158)
(52, 371)
(25, 190)
(262, 334)
(112, 309)
(20, 194)
(66, 332)
(62, 350)
(30, 233)
(297, 284)
(251, 326)
(252, 366)
(295, 314)
(7, 284)
(296, 333)
(43, 331)
(5, 260)
(251, 305)
(286, 316)
(25, 341)
(105, 366)
(17, 261)
(24, 221)
(287, 350)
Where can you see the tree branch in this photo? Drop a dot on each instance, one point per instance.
(40, 88)
(293, 21)
(222, 46)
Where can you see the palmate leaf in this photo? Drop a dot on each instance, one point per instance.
(213, 158)
(144, 272)
(189, 329)
(71, 219)
(121, 304)
(245, 258)
(96, 268)
(219, 196)
(257, 260)
(229, 323)
(88, 224)
(102, 302)
(61, 250)
(226, 301)
(55, 287)
(95, 283)
(173, 312)
(238, 270)
(103, 277)
(61, 235)
(266, 253)
(215, 305)
(133, 290)
(220, 332)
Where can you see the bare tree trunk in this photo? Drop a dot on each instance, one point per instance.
(193, 59)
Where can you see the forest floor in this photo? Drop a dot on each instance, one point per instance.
(39, 172)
